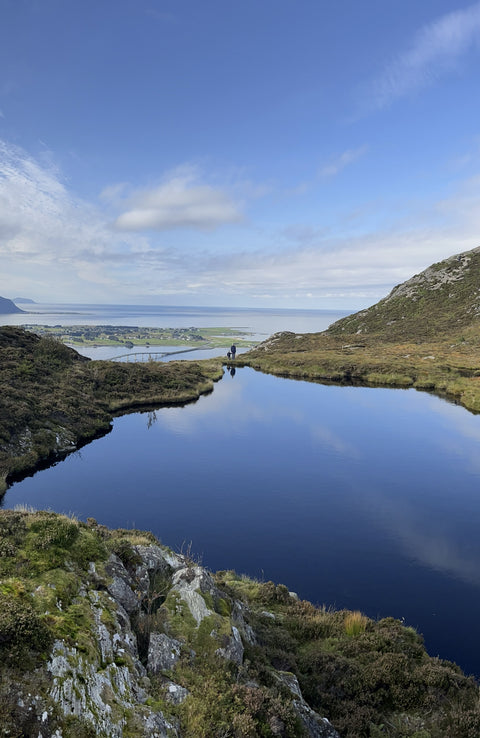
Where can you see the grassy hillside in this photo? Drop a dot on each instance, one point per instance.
(52, 399)
(444, 299)
(424, 334)
(108, 633)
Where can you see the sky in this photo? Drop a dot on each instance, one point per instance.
(263, 153)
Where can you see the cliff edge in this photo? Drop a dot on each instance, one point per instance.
(7, 307)
(108, 633)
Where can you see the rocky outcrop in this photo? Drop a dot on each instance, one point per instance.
(443, 299)
(144, 612)
(108, 633)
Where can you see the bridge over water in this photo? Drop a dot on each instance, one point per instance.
(155, 355)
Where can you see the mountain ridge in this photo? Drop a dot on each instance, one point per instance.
(7, 307)
(442, 299)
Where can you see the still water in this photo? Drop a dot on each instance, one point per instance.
(352, 497)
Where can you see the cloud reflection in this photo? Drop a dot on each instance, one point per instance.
(232, 403)
(436, 550)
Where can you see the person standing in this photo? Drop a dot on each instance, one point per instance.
(233, 350)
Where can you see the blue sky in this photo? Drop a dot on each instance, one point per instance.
(270, 153)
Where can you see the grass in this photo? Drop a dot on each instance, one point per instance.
(52, 400)
(370, 678)
(355, 623)
(449, 367)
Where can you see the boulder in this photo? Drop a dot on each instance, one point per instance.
(163, 653)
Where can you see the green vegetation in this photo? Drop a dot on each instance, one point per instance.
(128, 336)
(443, 300)
(425, 334)
(448, 367)
(369, 678)
(53, 400)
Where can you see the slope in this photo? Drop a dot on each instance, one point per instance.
(442, 300)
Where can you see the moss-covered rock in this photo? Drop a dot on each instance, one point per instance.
(108, 633)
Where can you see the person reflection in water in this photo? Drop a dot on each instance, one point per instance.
(233, 350)
(232, 371)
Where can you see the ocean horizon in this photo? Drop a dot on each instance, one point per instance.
(260, 322)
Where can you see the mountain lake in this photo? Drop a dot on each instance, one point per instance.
(353, 497)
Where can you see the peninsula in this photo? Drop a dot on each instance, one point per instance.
(53, 400)
(8, 307)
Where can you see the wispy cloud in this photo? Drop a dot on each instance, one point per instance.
(47, 235)
(335, 166)
(182, 201)
(435, 50)
(51, 240)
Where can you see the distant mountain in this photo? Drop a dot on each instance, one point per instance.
(7, 306)
(24, 299)
(444, 299)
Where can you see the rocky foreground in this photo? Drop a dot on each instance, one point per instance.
(109, 633)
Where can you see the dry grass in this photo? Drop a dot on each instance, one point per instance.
(355, 623)
(450, 367)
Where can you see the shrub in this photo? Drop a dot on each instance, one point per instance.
(21, 629)
(355, 623)
(54, 530)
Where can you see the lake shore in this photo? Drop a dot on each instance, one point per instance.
(54, 400)
(68, 401)
(450, 368)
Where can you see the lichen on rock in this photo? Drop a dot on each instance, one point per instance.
(108, 633)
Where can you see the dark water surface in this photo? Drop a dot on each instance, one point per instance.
(353, 497)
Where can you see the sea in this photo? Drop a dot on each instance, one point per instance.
(258, 323)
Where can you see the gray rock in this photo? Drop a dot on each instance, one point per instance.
(190, 582)
(316, 726)
(233, 651)
(290, 681)
(175, 694)
(266, 614)
(163, 653)
(122, 586)
(156, 558)
(80, 688)
(238, 617)
(156, 726)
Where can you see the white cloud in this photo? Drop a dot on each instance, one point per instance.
(49, 239)
(180, 202)
(54, 242)
(436, 49)
(114, 192)
(343, 160)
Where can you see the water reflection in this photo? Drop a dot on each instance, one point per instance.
(437, 549)
(352, 497)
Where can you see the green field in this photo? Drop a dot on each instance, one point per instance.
(130, 336)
